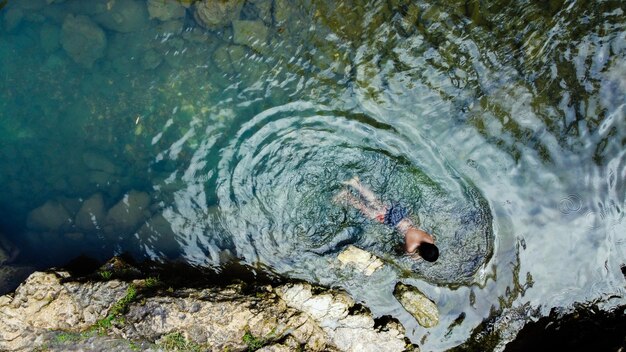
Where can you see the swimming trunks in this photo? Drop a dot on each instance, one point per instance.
(395, 213)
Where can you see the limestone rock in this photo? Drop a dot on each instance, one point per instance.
(49, 217)
(422, 308)
(285, 318)
(216, 14)
(128, 213)
(124, 16)
(252, 34)
(83, 40)
(345, 331)
(363, 261)
(43, 303)
(91, 215)
(165, 10)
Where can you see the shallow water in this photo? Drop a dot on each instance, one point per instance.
(500, 125)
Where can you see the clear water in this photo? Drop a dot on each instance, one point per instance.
(500, 124)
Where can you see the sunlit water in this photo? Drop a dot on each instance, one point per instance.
(500, 126)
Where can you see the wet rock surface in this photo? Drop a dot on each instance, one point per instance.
(416, 303)
(50, 310)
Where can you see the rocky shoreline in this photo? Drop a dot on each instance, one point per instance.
(113, 309)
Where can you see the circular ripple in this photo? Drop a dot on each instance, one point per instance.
(278, 177)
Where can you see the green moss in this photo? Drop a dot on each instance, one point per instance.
(152, 282)
(176, 341)
(106, 275)
(253, 342)
(116, 312)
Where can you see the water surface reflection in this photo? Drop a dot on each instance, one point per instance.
(500, 124)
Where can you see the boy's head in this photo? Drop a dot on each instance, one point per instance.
(428, 251)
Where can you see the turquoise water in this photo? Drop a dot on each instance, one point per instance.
(500, 125)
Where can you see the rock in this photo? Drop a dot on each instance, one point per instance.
(151, 60)
(283, 11)
(128, 213)
(252, 34)
(422, 308)
(363, 261)
(124, 16)
(345, 331)
(283, 318)
(165, 10)
(98, 162)
(49, 217)
(83, 40)
(258, 9)
(216, 14)
(43, 303)
(91, 215)
(12, 19)
(157, 233)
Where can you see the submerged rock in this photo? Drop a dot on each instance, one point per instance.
(83, 40)
(363, 261)
(423, 309)
(50, 37)
(91, 215)
(165, 10)
(124, 16)
(125, 216)
(252, 34)
(49, 217)
(96, 161)
(157, 233)
(213, 14)
(12, 19)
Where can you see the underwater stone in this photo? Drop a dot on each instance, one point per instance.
(128, 213)
(12, 19)
(213, 14)
(83, 40)
(98, 162)
(151, 60)
(92, 214)
(124, 16)
(157, 233)
(283, 11)
(48, 217)
(252, 34)
(423, 309)
(261, 9)
(363, 261)
(50, 37)
(165, 10)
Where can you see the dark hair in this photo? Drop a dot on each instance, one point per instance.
(428, 251)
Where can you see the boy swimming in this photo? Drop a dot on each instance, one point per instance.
(416, 241)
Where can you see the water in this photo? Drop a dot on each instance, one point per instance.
(500, 125)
